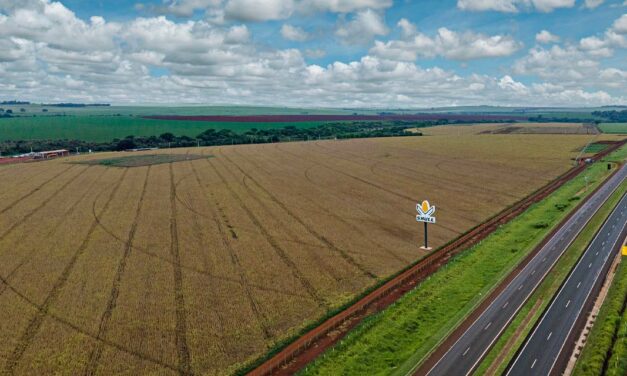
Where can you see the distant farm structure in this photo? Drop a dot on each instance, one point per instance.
(35, 156)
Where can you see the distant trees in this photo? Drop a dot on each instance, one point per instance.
(612, 116)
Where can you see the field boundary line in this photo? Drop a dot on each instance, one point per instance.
(403, 281)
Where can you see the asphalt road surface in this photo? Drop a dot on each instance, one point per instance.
(465, 354)
(541, 350)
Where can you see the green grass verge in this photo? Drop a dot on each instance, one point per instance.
(106, 128)
(612, 319)
(546, 290)
(616, 128)
(395, 339)
(595, 148)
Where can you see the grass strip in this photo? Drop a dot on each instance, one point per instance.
(605, 352)
(404, 333)
(513, 337)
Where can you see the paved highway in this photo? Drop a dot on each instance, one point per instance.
(541, 350)
(465, 354)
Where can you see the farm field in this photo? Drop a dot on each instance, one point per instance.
(203, 265)
(106, 128)
(617, 128)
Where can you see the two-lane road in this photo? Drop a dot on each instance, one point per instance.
(465, 354)
(546, 344)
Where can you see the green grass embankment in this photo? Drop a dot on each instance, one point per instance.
(605, 352)
(396, 339)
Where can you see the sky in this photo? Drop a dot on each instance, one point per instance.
(316, 53)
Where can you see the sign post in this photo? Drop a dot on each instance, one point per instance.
(425, 214)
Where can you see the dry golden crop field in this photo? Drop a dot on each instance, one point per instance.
(200, 266)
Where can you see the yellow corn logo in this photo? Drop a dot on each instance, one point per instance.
(425, 209)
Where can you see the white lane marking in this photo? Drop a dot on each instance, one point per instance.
(567, 303)
(533, 272)
(579, 284)
(602, 244)
(544, 259)
(487, 326)
(505, 305)
(589, 266)
(520, 287)
(549, 336)
(466, 352)
(596, 254)
(534, 363)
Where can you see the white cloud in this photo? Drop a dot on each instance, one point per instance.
(181, 8)
(362, 28)
(258, 10)
(294, 33)
(546, 37)
(343, 6)
(591, 4)
(315, 53)
(513, 6)
(620, 25)
(446, 43)
(47, 53)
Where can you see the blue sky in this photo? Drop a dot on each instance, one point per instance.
(317, 52)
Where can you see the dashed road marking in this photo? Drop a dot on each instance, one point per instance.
(549, 336)
(466, 352)
(534, 363)
(567, 303)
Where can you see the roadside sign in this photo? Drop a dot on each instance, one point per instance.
(425, 215)
(625, 250)
(425, 212)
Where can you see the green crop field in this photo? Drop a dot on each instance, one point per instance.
(399, 337)
(106, 128)
(617, 128)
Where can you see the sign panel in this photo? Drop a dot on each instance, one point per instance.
(425, 212)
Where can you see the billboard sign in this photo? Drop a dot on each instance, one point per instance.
(425, 212)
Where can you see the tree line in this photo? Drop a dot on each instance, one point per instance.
(210, 137)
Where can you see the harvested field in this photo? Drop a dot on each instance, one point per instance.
(203, 265)
(326, 117)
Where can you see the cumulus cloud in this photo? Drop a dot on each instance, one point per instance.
(513, 6)
(546, 37)
(48, 53)
(294, 33)
(259, 10)
(362, 28)
(446, 43)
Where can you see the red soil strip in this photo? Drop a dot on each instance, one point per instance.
(305, 118)
(308, 347)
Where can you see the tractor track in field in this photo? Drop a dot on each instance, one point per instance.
(52, 231)
(96, 353)
(410, 180)
(23, 219)
(260, 317)
(331, 214)
(33, 191)
(330, 245)
(415, 175)
(328, 269)
(368, 183)
(280, 252)
(179, 298)
(35, 323)
(148, 253)
(86, 333)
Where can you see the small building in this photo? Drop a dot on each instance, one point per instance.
(52, 154)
